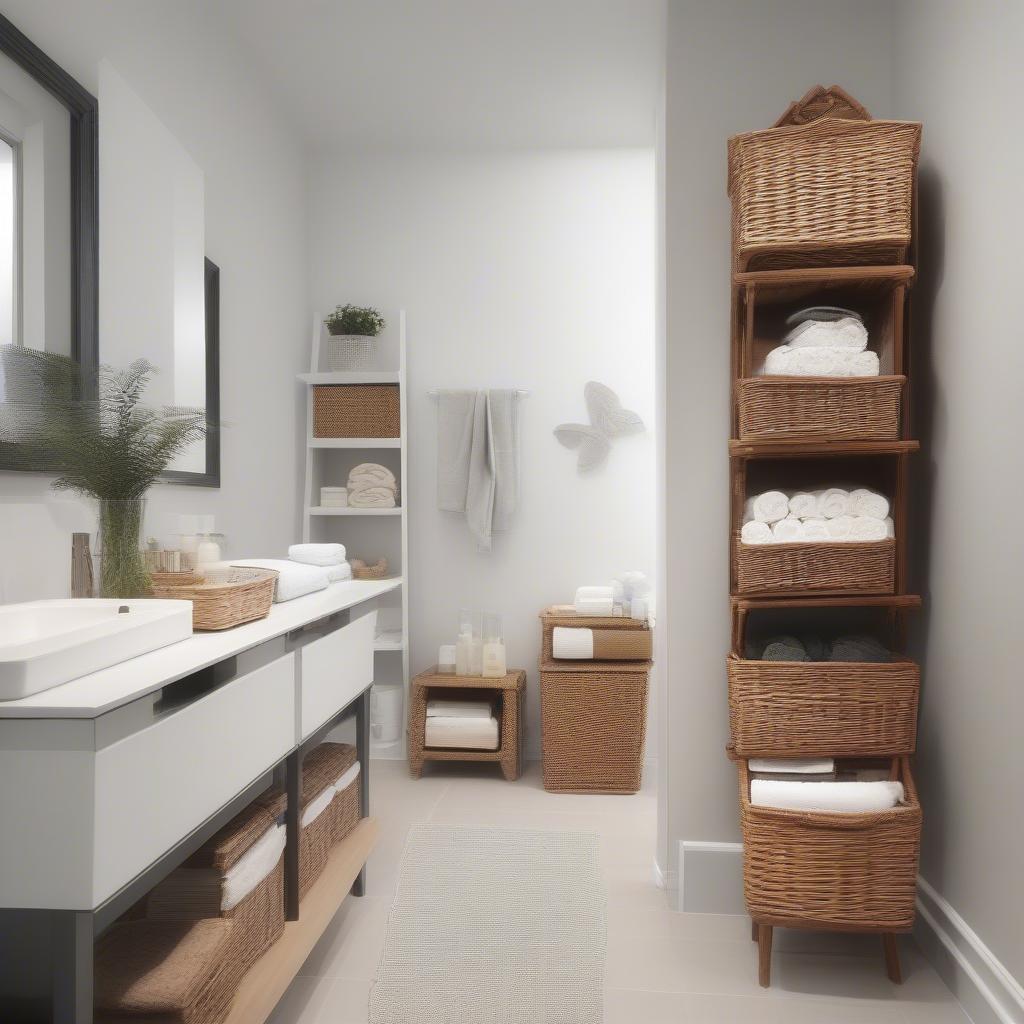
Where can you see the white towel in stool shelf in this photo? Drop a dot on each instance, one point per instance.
(462, 733)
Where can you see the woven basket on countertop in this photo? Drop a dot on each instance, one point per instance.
(356, 410)
(221, 598)
(822, 709)
(816, 869)
(831, 192)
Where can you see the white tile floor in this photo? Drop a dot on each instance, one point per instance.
(662, 966)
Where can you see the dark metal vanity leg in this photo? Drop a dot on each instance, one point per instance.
(293, 788)
(363, 754)
(72, 966)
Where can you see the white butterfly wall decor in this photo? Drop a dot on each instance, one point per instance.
(608, 420)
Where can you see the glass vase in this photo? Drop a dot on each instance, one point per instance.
(122, 569)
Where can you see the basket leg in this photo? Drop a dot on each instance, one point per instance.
(753, 930)
(892, 957)
(764, 955)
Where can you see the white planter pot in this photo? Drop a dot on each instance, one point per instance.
(349, 351)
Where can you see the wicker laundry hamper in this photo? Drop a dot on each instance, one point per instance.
(822, 709)
(174, 972)
(813, 869)
(356, 410)
(832, 192)
(196, 890)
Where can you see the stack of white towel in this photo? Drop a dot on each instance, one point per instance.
(825, 341)
(307, 569)
(372, 486)
(828, 515)
(808, 784)
(462, 724)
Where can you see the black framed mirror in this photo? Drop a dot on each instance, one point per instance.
(49, 174)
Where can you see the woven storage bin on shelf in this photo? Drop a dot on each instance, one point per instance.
(815, 568)
(826, 870)
(832, 192)
(593, 722)
(175, 972)
(790, 408)
(221, 598)
(822, 709)
(195, 890)
(565, 615)
(356, 410)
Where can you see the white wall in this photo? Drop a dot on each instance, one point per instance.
(733, 66)
(959, 71)
(525, 269)
(196, 80)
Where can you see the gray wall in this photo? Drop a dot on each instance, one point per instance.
(959, 71)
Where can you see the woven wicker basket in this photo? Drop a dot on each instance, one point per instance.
(832, 192)
(822, 709)
(825, 870)
(356, 410)
(815, 568)
(593, 723)
(564, 615)
(222, 598)
(791, 408)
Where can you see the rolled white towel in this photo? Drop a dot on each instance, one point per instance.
(370, 474)
(820, 362)
(599, 606)
(814, 530)
(845, 797)
(846, 333)
(839, 528)
(771, 506)
(864, 528)
(788, 531)
(317, 554)
(293, 579)
(834, 502)
(371, 497)
(338, 573)
(756, 533)
(804, 504)
(868, 503)
(572, 643)
(793, 765)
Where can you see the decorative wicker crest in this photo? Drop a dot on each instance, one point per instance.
(822, 102)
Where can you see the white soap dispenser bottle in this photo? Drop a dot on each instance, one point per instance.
(494, 666)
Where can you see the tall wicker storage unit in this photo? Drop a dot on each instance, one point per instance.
(823, 214)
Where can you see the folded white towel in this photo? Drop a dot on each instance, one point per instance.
(346, 778)
(252, 867)
(833, 503)
(756, 533)
(845, 333)
(462, 733)
(820, 362)
(850, 797)
(814, 530)
(770, 507)
(574, 643)
(293, 579)
(793, 765)
(371, 497)
(370, 474)
(788, 531)
(839, 528)
(338, 573)
(472, 709)
(317, 554)
(804, 504)
(868, 503)
(594, 606)
(317, 807)
(863, 528)
(602, 592)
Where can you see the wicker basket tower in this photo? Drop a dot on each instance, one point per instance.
(823, 209)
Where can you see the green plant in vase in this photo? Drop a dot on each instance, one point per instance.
(112, 448)
(354, 321)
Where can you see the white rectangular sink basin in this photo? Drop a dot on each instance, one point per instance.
(46, 643)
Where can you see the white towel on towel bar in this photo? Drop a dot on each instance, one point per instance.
(845, 797)
(252, 867)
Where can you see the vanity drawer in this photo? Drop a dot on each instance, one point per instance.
(157, 785)
(334, 670)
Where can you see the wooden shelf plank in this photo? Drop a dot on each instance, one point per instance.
(270, 976)
(351, 377)
(818, 446)
(355, 442)
(899, 274)
(327, 510)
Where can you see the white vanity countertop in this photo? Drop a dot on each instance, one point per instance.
(95, 694)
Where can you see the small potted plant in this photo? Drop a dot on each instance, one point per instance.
(350, 329)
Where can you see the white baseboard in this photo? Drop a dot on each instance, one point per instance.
(985, 988)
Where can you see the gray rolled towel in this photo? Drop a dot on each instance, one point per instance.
(816, 648)
(784, 648)
(859, 648)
